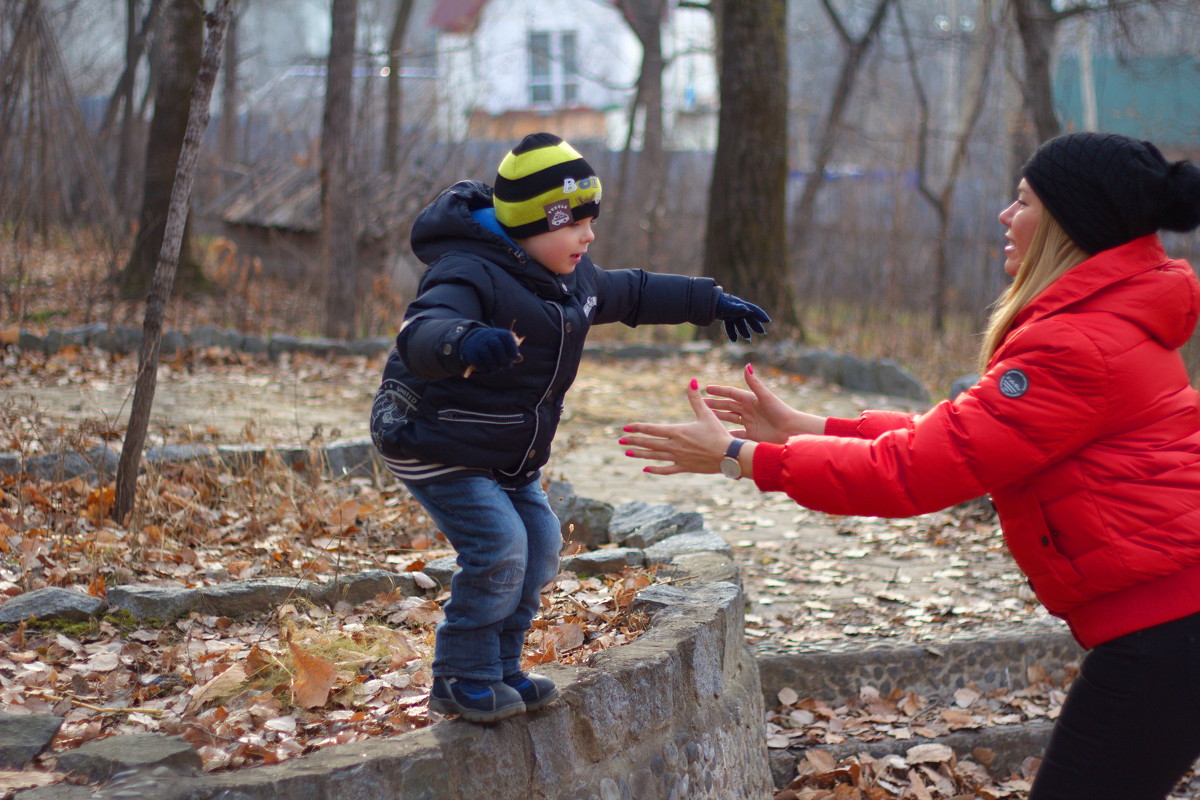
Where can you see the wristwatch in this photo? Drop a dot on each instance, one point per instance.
(730, 467)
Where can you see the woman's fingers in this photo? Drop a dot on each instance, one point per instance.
(757, 387)
(732, 394)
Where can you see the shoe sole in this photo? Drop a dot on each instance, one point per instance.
(471, 715)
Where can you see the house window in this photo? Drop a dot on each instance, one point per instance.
(553, 68)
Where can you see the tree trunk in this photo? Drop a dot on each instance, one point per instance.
(394, 116)
(122, 98)
(746, 235)
(184, 31)
(338, 233)
(856, 52)
(942, 200)
(230, 100)
(1037, 24)
(642, 194)
(168, 260)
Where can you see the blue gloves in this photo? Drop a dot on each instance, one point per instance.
(740, 316)
(489, 349)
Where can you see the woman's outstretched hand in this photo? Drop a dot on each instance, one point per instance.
(687, 447)
(763, 416)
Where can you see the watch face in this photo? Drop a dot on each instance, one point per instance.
(730, 468)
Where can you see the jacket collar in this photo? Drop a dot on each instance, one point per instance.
(1130, 279)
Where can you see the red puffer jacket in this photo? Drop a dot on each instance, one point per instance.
(1085, 431)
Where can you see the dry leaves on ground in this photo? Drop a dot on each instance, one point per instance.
(904, 715)
(261, 690)
(288, 682)
(925, 772)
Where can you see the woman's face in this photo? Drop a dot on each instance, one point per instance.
(1021, 219)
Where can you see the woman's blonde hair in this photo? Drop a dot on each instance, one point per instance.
(1052, 253)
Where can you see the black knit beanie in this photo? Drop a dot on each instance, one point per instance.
(1106, 189)
(543, 184)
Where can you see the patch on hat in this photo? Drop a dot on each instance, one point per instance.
(543, 184)
(1014, 383)
(558, 214)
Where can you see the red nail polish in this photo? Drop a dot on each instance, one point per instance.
(622, 441)
(629, 453)
(750, 368)
(695, 383)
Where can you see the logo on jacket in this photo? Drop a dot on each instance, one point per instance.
(588, 305)
(1014, 383)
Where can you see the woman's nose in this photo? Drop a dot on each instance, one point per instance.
(1006, 215)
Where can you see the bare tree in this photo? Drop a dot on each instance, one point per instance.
(942, 199)
(49, 170)
(856, 50)
(746, 235)
(184, 33)
(168, 260)
(644, 18)
(392, 126)
(230, 100)
(1037, 23)
(122, 98)
(338, 231)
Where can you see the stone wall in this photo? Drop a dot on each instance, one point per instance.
(678, 713)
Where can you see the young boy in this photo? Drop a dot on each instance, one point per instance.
(473, 391)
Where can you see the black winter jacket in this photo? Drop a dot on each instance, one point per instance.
(504, 421)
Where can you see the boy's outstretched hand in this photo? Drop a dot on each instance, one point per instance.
(740, 317)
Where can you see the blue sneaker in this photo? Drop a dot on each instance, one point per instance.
(477, 702)
(536, 690)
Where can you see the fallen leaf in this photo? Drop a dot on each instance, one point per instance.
(929, 754)
(313, 680)
(223, 685)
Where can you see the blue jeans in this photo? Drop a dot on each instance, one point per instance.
(1128, 729)
(508, 543)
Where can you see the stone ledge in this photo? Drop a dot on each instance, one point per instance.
(932, 669)
(344, 458)
(676, 713)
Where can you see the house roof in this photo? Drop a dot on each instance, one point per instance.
(456, 16)
(288, 197)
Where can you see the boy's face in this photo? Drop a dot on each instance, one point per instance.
(561, 249)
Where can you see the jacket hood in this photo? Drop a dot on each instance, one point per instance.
(446, 225)
(1135, 281)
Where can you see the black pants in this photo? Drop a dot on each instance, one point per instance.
(1130, 726)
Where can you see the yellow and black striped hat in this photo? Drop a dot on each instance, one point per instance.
(542, 185)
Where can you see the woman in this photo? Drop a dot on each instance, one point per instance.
(1085, 431)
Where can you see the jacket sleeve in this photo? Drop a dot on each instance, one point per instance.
(435, 323)
(636, 297)
(869, 425)
(1044, 397)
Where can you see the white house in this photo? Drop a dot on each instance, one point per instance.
(511, 67)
